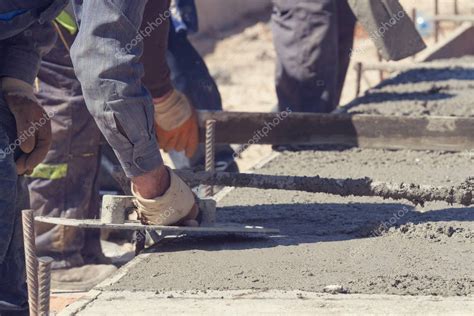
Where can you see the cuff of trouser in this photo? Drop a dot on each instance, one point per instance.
(159, 90)
(140, 159)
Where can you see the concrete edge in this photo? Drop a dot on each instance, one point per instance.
(93, 294)
(80, 304)
(243, 302)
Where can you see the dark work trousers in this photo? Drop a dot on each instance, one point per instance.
(13, 199)
(313, 40)
(65, 184)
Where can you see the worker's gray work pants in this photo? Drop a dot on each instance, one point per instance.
(13, 199)
(65, 184)
(313, 41)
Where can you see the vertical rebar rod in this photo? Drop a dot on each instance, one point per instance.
(30, 260)
(414, 16)
(380, 58)
(436, 23)
(210, 152)
(44, 284)
(358, 68)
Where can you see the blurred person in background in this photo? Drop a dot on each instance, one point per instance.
(313, 41)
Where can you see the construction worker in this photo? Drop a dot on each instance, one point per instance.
(313, 41)
(106, 58)
(66, 183)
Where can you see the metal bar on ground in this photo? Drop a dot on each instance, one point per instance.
(391, 66)
(416, 193)
(367, 131)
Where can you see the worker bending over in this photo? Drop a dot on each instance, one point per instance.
(125, 112)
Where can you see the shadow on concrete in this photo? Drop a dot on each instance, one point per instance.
(383, 98)
(312, 223)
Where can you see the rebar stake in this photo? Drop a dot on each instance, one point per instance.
(44, 283)
(210, 152)
(30, 260)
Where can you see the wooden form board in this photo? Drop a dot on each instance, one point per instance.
(135, 225)
(370, 131)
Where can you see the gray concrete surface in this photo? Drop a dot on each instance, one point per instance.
(422, 92)
(368, 245)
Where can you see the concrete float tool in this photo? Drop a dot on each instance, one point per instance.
(116, 209)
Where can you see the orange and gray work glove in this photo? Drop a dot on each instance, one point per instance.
(33, 124)
(176, 124)
(177, 206)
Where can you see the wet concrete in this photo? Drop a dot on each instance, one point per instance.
(423, 92)
(365, 244)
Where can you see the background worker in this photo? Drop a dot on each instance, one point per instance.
(313, 41)
(190, 75)
(120, 103)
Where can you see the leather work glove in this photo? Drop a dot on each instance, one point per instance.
(33, 124)
(177, 206)
(176, 124)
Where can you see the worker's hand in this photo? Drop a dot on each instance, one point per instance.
(32, 123)
(176, 206)
(176, 124)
